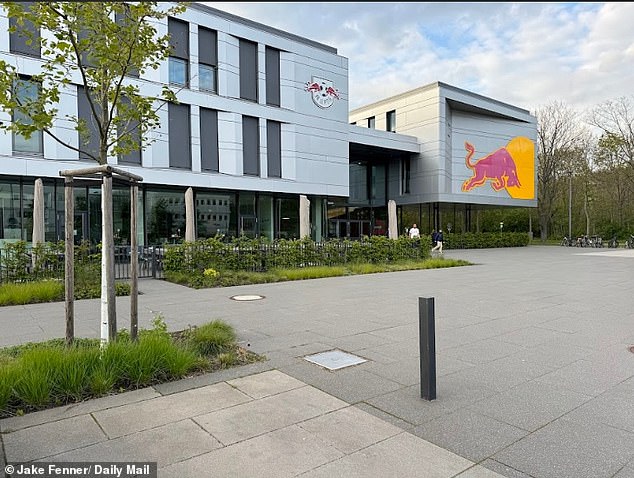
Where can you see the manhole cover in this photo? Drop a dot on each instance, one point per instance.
(334, 359)
(243, 298)
(632, 348)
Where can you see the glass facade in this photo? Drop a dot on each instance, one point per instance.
(160, 212)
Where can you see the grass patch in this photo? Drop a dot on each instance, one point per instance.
(317, 272)
(41, 375)
(31, 292)
(232, 278)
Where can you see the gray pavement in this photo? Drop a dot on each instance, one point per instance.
(535, 376)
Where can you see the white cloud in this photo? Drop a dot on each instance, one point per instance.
(525, 54)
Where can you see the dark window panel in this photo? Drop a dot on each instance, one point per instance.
(209, 140)
(272, 76)
(250, 146)
(248, 70)
(18, 39)
(90, 142)
(274, 149)
(179, 136)
(207, 46)
(179, 38)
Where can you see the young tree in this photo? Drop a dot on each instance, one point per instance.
(102, 47)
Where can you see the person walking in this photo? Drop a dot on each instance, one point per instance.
(439, 239)
(414, 233)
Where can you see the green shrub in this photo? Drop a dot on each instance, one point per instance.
(213, 338)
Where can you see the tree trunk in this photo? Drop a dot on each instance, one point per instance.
(108, 296)
(69, 260)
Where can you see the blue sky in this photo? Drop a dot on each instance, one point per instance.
(526, 54)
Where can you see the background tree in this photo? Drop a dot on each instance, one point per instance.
(557, 136)
(102, 47)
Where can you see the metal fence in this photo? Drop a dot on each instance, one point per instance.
(20, 265)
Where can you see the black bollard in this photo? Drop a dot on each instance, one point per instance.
(427, 338)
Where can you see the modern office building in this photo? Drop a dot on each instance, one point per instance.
(263, 126)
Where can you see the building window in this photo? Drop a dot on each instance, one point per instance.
(390, 121)
(371, 122)
(179, 136)
(250, 146)
(272, 76)
(207, 60)
(248, 70)
(89, 141)
(209, 140)
(405, 175)
(26, 91)
(24, 39)
(124, 21)
(274, 149)
(133, 129)
(179, 57)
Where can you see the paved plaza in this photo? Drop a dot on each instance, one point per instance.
(534, 376)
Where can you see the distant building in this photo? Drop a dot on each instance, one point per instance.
(263, 119)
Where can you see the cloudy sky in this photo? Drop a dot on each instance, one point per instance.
(526, 54)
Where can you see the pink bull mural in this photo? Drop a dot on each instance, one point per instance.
(511, 167)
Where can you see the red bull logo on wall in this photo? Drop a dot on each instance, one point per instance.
(322, 91)
(511, 168)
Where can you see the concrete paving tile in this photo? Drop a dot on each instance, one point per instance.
(352, 384)
(140, 416)
(406, 404)
(359, 341)
(530, 336)
(469, 434)
(386, 417)
(479, 472)
(530, 405)
(288, 452)
(589, 378)
(483, 351)
(350, 429)
(627, 472)
(406, 372)
(503, 469)
(75, 409)
(553, 354)
(613, 408)
(266, 383)
(403, 455)
(155, 445)
(251, 419)
(565, 449)
(212, 378)
(285, 340)
(502, 374)
(52, 438)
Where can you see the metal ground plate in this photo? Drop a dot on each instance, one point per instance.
(334, 359)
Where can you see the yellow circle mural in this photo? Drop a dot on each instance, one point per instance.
(522, 150)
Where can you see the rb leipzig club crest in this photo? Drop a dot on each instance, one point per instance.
(322, 91)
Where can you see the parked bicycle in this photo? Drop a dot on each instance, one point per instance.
(630, 242)
(567, 241)
(614, 242)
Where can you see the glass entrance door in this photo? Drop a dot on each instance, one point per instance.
(248, 226)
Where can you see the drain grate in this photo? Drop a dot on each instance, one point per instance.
(334, 359)
(244, 298)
